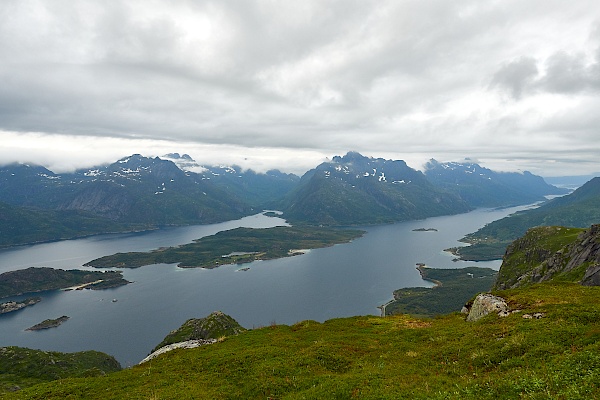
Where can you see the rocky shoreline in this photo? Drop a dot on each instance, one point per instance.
(11, 306)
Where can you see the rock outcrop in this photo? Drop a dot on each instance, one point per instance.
(214, 326)
(546, 253)
(189, 344)
(485, 304)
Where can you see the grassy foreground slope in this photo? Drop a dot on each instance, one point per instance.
(370, 357)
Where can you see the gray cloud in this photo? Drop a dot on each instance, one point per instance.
(516, 76)
(401, 78)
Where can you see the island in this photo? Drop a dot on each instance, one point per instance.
(47, 324)
(236, 246)
(453, 288)
(425, 230)
(10, 306)
(38, 279)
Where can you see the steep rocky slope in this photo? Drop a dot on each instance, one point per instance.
(552, 253)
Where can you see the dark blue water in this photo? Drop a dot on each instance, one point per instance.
(343, 280)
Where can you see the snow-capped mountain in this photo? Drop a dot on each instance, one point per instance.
(482, 187)
(259, 190)
(135, 189)
(354, 189)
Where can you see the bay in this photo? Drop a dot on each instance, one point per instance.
(127, 322)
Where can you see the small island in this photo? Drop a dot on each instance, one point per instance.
(10, 306)
(34, 279)
(236, 246)
(47, 324)
(425, 230)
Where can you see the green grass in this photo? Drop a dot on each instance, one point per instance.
(20, 367)
(250, 244)
(215, 326)
(556, 357)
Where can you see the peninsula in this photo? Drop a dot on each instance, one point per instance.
(453, 288)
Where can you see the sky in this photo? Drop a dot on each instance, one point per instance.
(511, 84)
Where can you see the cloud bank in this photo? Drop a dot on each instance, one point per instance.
(286, 84)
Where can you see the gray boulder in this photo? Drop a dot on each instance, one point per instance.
(486, 303)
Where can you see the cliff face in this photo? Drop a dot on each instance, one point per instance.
(552, 253)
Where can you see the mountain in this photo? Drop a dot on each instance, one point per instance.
(355, 189)
(552, 253)
(135, 189)
(579, 209)
(29, 185)
(259, 190)
(19, 225)
(482, 187)
(151, 190)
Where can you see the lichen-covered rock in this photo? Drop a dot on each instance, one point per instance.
(485, 304)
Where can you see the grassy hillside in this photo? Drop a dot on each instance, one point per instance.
(370, 357)
(20, 367)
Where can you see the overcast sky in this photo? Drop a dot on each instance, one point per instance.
(266, 84)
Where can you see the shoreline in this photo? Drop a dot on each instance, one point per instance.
(421, 267)
(422, 270)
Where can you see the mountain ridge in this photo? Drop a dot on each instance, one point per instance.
(482, 187)
(354, 189)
